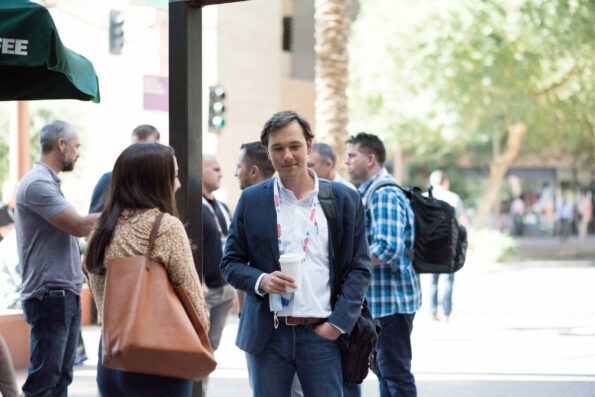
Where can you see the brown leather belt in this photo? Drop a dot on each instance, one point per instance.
(289, 320)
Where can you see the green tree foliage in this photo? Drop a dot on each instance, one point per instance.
(442, 76)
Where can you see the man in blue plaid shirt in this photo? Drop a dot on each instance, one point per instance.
(394, 293)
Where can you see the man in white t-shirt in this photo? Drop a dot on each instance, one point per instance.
(441, 184)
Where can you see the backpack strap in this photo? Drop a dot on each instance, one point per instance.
(325, 197)
(410, 253)
(374, 188)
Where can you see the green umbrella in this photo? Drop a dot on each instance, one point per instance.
(34, 64)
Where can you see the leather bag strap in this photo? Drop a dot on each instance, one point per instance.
(153, 236)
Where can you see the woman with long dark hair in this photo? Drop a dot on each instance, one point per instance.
(143, 184)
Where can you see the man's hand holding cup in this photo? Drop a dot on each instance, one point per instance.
(284, 281)
(276, 283)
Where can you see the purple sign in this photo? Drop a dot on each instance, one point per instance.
(156, 93)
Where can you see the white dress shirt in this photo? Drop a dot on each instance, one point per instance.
(313, 297)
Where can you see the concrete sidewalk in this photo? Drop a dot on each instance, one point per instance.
(517, 330)
(553, 247)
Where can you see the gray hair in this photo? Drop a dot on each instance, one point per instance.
(52, 132)
(326, 152)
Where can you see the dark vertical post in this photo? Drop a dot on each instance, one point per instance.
(185, 115)
(185, 106)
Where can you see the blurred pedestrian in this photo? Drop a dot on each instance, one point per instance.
(441, 190)
(142, 187)
(47, 228)
(142, 133)
(287, 332)
(517, 210)
(219, 295)
(394, 293)
(6, 220)
(323, 160)
(565, 217)
(8, 379)
(253, 166)
(585, 213)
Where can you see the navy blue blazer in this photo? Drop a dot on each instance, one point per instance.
(252, 249)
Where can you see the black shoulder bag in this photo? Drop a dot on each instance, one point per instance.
(358, 353)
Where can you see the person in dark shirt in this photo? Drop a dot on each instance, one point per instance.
(142, 133)
(253, 166)
(219, 295)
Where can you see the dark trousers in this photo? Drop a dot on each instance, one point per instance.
(394, 356)
(297, 349)
(55, 323)
(352, 390)
(115, 383)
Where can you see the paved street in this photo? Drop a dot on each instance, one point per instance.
(517, 329)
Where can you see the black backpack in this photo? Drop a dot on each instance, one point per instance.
(358, 348)
(440, 242)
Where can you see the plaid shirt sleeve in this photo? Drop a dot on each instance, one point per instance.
(388, 222)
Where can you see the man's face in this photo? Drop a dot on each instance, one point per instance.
(242, 171)
(288, 150)
(322, 168)
(69, 151)
(211, 174)
(357, 163)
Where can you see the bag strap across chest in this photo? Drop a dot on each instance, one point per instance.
(152, 238)
(326, 199)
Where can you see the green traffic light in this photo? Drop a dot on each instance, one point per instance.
(217, 122)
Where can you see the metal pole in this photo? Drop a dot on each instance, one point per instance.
(185, 105)
(185, 115)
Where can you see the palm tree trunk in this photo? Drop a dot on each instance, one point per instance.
(331, 31)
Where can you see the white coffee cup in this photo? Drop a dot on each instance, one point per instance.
(292, 265)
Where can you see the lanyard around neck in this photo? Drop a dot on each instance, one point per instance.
(212, 211)
(278, 210)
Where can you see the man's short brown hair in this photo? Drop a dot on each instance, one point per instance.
(370, 144)
(283, 119)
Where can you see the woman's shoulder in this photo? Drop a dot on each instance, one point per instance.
(143, 222)
(171, 225)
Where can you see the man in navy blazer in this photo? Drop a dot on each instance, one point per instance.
(288, 332)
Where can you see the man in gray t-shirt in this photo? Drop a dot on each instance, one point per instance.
(49, 254)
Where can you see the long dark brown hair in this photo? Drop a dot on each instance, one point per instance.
(143, 178)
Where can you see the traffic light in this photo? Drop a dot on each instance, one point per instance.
(216, 107)
(116, 32)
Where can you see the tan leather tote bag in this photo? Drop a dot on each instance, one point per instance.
(149, 326)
